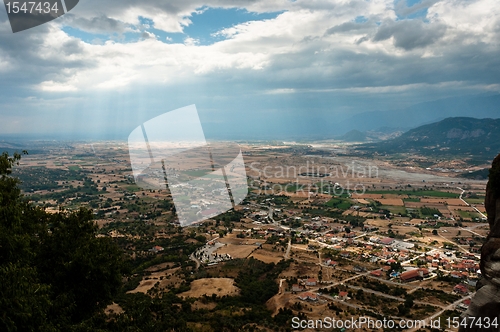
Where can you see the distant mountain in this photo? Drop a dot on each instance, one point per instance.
(481, 174)
(478, 138)
(11, 148)
(354, 136)
(484, 106)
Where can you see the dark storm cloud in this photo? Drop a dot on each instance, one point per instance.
(410, 34)
(97, 24)
(30, 59)
(349, 26)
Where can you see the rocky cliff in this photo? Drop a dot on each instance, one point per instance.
(486, 301)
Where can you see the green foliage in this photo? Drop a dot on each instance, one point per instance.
(339, 203)
(416, 193)
(426, 211)
(54, 271)
(257, 280)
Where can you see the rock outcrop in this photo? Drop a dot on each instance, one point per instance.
(486, 301)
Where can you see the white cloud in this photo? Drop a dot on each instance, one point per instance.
(318, 44)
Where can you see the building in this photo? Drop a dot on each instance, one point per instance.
(156, 249)
(297, 288)
(308, 296)
(465, 304)
(461, 289)
(343, 296)
(415, 274)
(387, 241)
(311, 282)
(333, 263)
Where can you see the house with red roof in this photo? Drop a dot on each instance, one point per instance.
(387, 241)
(308, 296)
(343, 295)
(415, 274)
(311, 282)
(461, 289)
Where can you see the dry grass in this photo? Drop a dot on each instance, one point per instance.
(443, 201)
(237, 251)
(113, 308)
(197, 305)
(267, 256)
(209, 286)
(166, 278)
(391, 201)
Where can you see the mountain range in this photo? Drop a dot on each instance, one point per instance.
(460, 136)
(483, 106)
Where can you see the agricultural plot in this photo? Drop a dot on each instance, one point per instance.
(165, 279)
(236, 251)
(443, 201)
(209, 286)
(267, 256)
(391, 201)
(419, 193)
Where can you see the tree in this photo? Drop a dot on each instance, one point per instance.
(54, 271)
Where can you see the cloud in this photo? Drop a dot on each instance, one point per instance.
(410, 34)
(97, 24)
(169, 16)
(349, 27)
(402, 9)
(334, 48)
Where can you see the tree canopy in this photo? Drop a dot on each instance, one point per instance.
(55, 273)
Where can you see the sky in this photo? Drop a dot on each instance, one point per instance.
(255, 69)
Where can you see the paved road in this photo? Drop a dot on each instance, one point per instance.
(449, 307)
(287, 254)
(480, 213)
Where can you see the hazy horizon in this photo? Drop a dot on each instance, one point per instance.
(254, 69)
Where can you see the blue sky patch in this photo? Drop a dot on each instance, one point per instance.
(86, 37)
(212, 20)
(422, 13)
(203, 28)
(360, 19)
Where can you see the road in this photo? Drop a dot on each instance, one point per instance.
(371, 291)
(480, 213)
(449, 307)
(287, 254)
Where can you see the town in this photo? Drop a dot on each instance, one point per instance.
(402, 245)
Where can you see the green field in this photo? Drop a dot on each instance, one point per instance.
(419, 193)
(291, 188)
(132, 188)
(196, 173)
(394, 209)
(413, 199)
(469, 215)
(339, 203)
(74, 168)
(479, 200)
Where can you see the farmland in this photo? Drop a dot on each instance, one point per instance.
(343, 237)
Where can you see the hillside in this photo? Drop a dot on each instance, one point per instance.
(422, 114)
(354, 136)
(477, 138)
